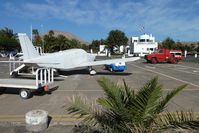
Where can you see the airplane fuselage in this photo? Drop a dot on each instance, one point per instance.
(67, 59)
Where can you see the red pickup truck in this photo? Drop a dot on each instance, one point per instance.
(164, 55)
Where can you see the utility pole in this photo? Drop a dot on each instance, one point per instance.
(42, 35)
(31, 32)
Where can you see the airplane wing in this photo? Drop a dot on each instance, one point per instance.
(109, 61)
(26, 62)
(82, 64)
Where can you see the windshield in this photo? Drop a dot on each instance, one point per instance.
(160, 51)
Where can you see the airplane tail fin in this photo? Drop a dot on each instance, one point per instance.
(27, 47)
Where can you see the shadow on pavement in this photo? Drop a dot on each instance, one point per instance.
(85, 72)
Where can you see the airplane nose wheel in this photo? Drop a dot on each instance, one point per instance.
(92, 71)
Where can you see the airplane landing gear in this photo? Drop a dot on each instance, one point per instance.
(13, 74)
(91, 71)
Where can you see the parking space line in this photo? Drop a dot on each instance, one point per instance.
(187, 66)
(166, 75)
(180, 70)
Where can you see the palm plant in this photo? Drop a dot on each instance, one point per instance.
(125, 110)
(9, 33)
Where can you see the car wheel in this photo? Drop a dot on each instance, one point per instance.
(153, 61)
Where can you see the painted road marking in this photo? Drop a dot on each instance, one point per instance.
(166, 76)
(63, 118)
(103, 91)
(55, 118)
(177, 69)
(151, 67)
(187, 67)
(63, 76)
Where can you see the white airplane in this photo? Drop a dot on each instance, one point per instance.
(64, 60)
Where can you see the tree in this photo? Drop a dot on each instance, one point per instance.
(187, 47)
(192, 47)
(180, 46)
(197, 47)
(49, 41)
(8, 39)
(168, 43)
(85, 47)
(95, 45)
(116, 38)
(75, 43)
(125, 110)
(60, 42)
(37, 39)
(8, 33)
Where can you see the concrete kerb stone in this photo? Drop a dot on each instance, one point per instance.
(36, 120)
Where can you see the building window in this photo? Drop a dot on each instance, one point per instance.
(142, 40)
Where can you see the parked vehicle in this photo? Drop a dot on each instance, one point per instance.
(116, 67)
(3, 54)
(164, 55)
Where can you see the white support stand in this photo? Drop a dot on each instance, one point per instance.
(185, 53)
(91, 51)
(129, 53)
(109, 54)
(106, 52)
(196, 55)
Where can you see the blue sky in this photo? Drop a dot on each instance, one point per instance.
(93, 19)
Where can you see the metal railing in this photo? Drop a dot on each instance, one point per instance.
(44, 76)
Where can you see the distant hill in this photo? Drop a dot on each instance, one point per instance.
(68, 35)
(189, 43)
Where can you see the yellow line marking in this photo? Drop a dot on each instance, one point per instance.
(52, 115)
(53, 119)
(60, 118)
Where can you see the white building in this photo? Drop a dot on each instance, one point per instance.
(145, 44)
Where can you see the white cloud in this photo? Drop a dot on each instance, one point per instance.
(160, 16)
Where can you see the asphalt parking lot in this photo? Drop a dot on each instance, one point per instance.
(79, 82)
